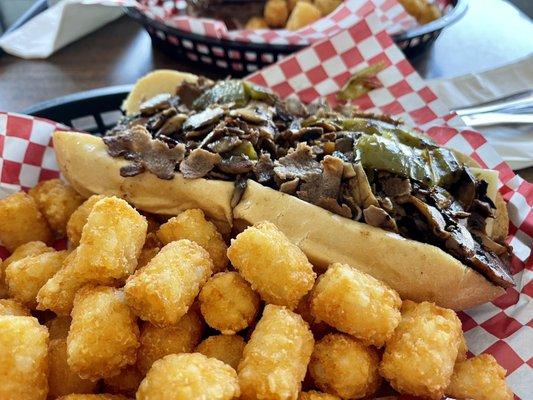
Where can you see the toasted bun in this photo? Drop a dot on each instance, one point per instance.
(84, 162)
(418, 271)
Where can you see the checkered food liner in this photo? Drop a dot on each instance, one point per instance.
(174, 14)
(504, 327)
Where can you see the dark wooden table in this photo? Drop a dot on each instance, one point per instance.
(492, 33)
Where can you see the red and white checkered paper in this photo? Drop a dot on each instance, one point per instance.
(174, 13)
(504, 327)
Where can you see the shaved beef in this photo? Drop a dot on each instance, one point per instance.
(290, 187)
(379, 218)
(136, 144)
(360, 188)
(395, 186)
(236, 165)
(264, 168)
(224, 144)
(198, 163)
(300, 163)
(188, 92)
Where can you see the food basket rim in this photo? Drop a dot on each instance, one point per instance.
(194, 37)
(456, 13)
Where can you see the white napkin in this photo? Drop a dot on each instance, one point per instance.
(63, 23)
(513, 143)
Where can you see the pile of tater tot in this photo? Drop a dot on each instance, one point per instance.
(145, 307)
(296, 14)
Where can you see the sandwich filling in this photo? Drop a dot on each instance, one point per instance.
(365, 167)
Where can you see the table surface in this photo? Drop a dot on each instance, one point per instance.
(489, 35)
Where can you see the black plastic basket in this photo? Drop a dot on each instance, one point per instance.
(239, 58)
(93, 111)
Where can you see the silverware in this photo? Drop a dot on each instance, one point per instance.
(497, 118)
(515, 101)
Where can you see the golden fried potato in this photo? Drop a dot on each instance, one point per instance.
(111, 241)
(314, 395)
(256, 23)
(463, 349)
(343, 366)
(125, 383)
(58, 327)
(25, 277)
(326, 6)
(189, 376)
(13, 307)
(277, 269)
(23, 359)
(292, 3)
(61, 379)
(179, 338)
(226, 348)
(56, 201)
(191, 224)
(92, 397)
(356, 303)
(78, 219)
(275, 358)
(228, 303)
(303, 14)
(21, 222)
(103, 335)
(276, 13)
(319, 329)
(420, 356)
(430, 12)
(479, 378)
(166, 287)
(25, 250)
(151, 247)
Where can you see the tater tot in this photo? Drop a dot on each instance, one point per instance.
(356, 303)
(191, 224)
(56, 201)
(303, 14)
(479, 378)
(314, 395)
(111, 241)
(292, 3)
(103, 335)
(463, 349)
(151, 247)
(228, 302)
(21, 222)
(226, 348)
(189, 376)
(179, 338)
(326, 6)
(163, 290)
(276, 13)
(420, 356)
(78, 219)
(58, 327)
(25, 250)
(343, 366)
(13, 307)
(277, 269)
(23, 359)
(92, 397)
(319, 329)
(275, 358)
(25, 277)
(61, 379)
(125, 383)
(256, 23)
